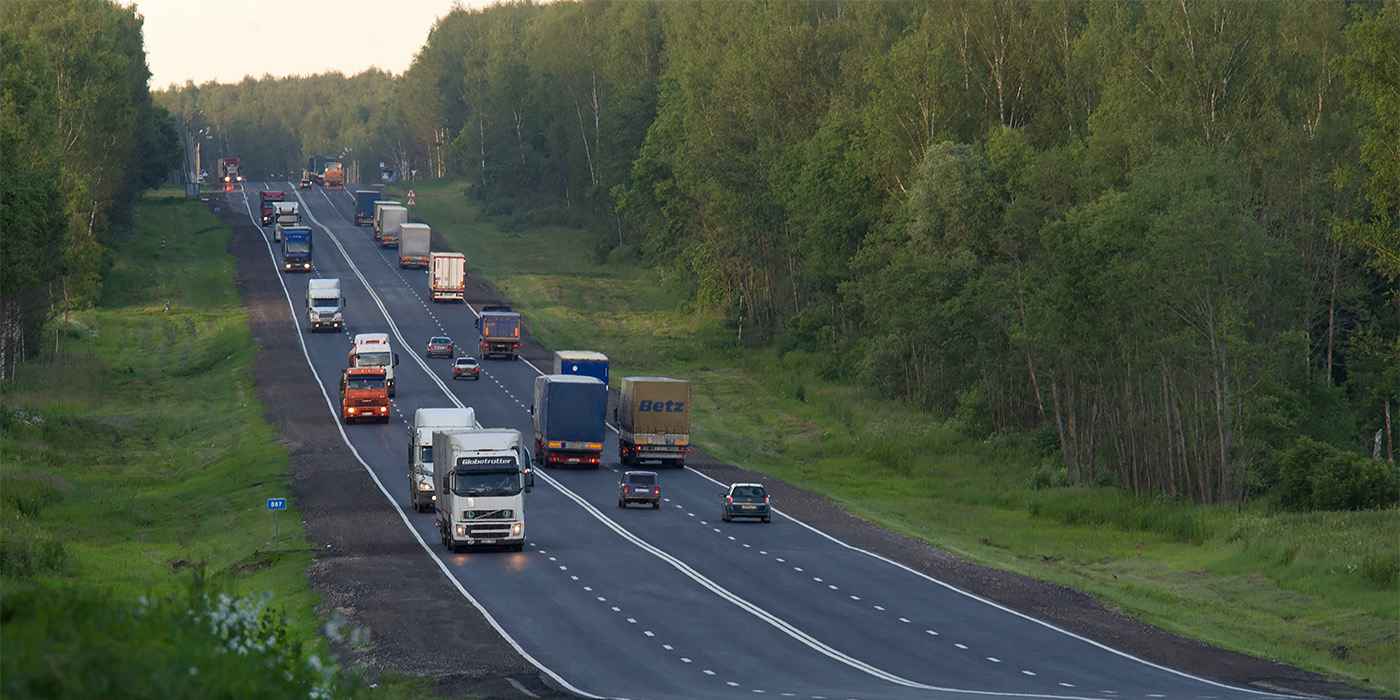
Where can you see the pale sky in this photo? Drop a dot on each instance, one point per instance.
(203, 40)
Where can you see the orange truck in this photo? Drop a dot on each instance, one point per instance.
(364, 394)
(334, 176)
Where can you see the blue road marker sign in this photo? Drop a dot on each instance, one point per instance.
(276, 504)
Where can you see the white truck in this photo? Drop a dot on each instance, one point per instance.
(420, 449)
(415, 242)
(285, 214)
(325, 306)
(373, 350)
(447, 276)
(482, 476)
(388, 217)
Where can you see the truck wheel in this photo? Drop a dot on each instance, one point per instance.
(656, 505)
(621, 503)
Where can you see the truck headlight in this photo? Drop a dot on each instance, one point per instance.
(516, 528)
(425, 485)
(461, 530)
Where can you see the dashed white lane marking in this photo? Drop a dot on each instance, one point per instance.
(1155, 695)
(731, 684)
(746, 546)
(553, 559)
(931, 633)
(615, 608)
(631, 620)
(649, 633)
(881, 608)
(818, 579)
(667, 647)
(782, 560)
(731, 538)
(690, 514)
(994, 659)
(905, 620)
(708, 672)
(588, 588)
(763, 552)
(960, 645)
(601, 599)
(573, 578)
(759, 690)
(563, 568)
(685, 660)
(1028, 673)
(798, 569)
(832, 586)
(855, 597)
(1066, 685)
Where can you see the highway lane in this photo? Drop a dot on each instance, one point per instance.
(606, 617)
(880, 614)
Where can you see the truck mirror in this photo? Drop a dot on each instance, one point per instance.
(396, 359)
(342, 302)
(532, 409)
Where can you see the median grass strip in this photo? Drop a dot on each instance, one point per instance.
(138, 557)
(1317, 590)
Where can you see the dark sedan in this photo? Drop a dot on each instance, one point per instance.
(746, 501)
(639, 487)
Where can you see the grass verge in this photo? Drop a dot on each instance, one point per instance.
(1318, 590)
(138, 557)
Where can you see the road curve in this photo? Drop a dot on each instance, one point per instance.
(675, 604)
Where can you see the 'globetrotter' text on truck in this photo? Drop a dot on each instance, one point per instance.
(447, 276)
(415, 241)
(500, 332)
(324, 305)
(296, 249)
(653, 420)
(568, 416)
(420, 449)
(364, 394)
(482, 476)
(364, 206)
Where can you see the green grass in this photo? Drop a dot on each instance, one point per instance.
(1319, 590)
(135, 463)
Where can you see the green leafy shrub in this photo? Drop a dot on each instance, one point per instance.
(1318, 476)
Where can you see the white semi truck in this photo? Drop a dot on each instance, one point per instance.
(420, 449)
(325, 307)
(482, 476)
(373, 350)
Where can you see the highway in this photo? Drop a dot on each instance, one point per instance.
(637, 603)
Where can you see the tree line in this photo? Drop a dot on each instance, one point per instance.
(1163, 235)
(80, 138)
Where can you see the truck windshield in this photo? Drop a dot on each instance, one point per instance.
(296, 246)
(325, 304)
(372, 359)
(486, 483)
(425, 454)
(361, 382)
(501, 327)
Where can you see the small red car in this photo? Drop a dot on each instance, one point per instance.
(466, 367)
(441, 346)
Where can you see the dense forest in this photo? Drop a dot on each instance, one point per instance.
(1162, 235)
(80, 139)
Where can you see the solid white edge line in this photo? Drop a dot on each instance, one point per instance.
(335, 417)
(774, 621)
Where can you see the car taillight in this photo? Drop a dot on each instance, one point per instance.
(765, 500)
(729, 500)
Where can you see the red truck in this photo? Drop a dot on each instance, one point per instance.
(364, 394)
(266, 207)
(228, 170)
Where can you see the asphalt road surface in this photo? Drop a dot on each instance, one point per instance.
(673, 603)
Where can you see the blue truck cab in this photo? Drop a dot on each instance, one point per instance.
(364, 206)
(568, 416)
(296, 249)
(584, 363)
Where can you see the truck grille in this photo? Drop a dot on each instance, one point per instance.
(501, 514)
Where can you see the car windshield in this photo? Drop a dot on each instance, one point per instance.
(641, 479)
(466, 362)
(497, 482)
(425, 454)
(749, 493)
(440, 340)
(361, 381)
(372, 359)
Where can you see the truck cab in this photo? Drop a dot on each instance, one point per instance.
(324, 305)
(364, 394)
(267, 205)
(426, 421)
(375, 352)
(481, 477)
(296, 248)
(364, 206)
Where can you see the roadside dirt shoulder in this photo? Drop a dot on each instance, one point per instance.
(368, 569)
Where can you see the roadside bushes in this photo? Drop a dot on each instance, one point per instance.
(1318, 476)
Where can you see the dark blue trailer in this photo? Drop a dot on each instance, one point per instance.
(364, 206)
(568, 416)
(296, 249)
(583, 363)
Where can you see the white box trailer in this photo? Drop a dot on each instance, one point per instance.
(447, 276)
(415, 241)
